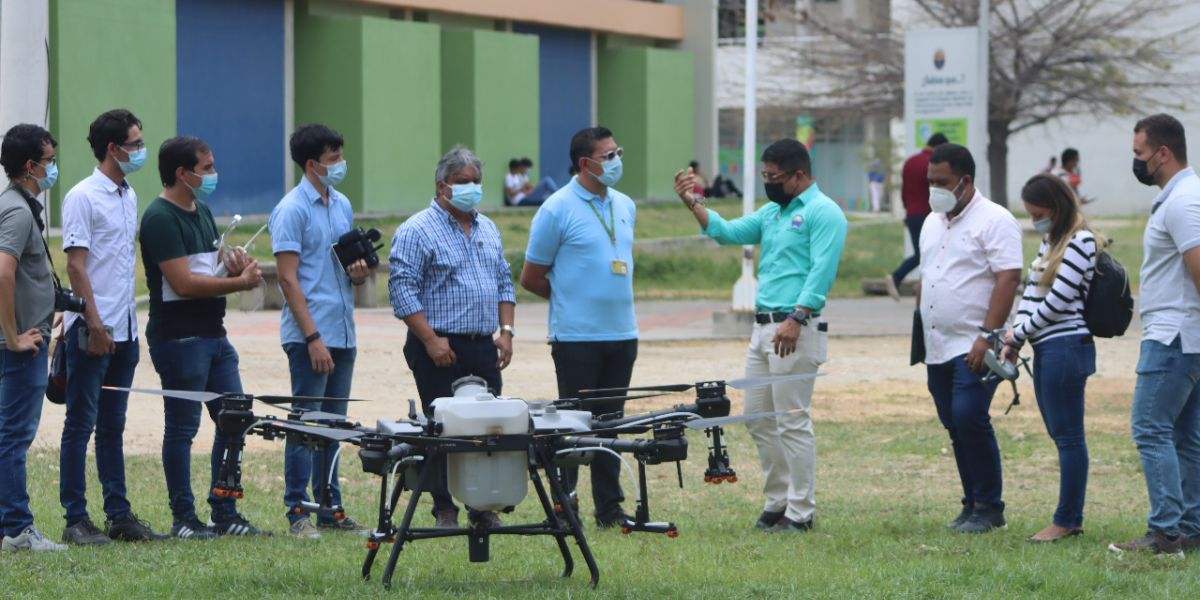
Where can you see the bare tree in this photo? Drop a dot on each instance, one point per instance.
(1049, 59)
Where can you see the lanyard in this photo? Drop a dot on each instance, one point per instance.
(611, 227)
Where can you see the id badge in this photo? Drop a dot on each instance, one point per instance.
(620, 267)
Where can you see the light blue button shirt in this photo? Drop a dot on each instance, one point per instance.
(588, 301)
(303, 224)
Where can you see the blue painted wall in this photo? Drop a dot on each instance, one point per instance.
(229, 82)
(565, 94)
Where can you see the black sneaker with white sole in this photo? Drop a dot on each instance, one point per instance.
(238, 525)
(962, 517)
(768, 519)
(85, 533)
(130, 528)
(192, 529)
(984, 518)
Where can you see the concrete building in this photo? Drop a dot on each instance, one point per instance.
(403, 80)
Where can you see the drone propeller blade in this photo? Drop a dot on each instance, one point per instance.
(178, 394)
(269, 399)
(718, 421)
(675, 387)
(603, 399)
(320, 415)
(329, 433)
(753, 382)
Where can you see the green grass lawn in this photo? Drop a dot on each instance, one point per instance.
(886, 486)
(873, 249)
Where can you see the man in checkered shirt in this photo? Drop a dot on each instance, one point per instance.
(452, 287)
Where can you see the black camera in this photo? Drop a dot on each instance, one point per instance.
(356, 244)
(66, 301)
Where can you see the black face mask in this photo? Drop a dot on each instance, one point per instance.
(1141, 170)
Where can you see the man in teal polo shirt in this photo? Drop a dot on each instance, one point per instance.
(580, 257)
(802, 233)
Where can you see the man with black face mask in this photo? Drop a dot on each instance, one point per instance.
(1166, 399)
(802, 232)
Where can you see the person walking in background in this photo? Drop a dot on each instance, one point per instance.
(1050, 316)
(875, 180)
(914, 192)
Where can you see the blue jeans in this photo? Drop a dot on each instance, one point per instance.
(962, 402)
(540, 193)
(22, 388)
(193, 364)
(298, 460)
(913, 224)
(91, 409)
(1166, 429)
(1061, 367)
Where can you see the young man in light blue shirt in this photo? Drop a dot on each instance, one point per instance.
(317, 325)
(802, 232)
(580, 257)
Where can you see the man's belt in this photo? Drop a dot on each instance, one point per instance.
(764, 318)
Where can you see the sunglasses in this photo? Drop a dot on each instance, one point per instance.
(607, 156)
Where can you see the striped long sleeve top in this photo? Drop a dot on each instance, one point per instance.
(1056, 311)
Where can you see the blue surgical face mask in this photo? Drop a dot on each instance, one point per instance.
(1043, 226)
(612, 172)
(45, 183)
(208, 185)
(137, 158)
(334, 174)
(466, 196)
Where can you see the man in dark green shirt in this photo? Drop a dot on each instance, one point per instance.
(186, 332)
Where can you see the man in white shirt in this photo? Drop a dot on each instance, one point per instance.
(99, 222)
(1166, 399)
(970, 268)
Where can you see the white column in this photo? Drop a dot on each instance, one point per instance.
(25, 66)
(747, 287)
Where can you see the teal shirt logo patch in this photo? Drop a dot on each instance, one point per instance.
(797, 222)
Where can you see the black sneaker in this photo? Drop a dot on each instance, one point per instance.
(786, 525)
(487, 519)
(618, 519)
(346, 524)
(192, 529)
(85, 533)
(768, 519)
(131, 529)
(962, 516)
(984, 518)
(238, 525)
(1154, 542)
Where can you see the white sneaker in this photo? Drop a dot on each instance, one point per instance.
(30, 539)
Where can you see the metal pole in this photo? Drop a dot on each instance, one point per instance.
(981, 102)
(746, 287)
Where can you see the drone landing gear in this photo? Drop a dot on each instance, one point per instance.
(559, 525)
(641, 520)
(718, 470)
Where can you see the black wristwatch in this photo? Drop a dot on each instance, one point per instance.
(312, 338)
(800, 317)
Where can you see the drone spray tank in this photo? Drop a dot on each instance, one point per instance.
(484, 481)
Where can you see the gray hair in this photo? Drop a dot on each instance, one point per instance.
(458, 158)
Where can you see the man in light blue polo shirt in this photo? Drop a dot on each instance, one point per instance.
(317, 326)
(580, 257)
(802, 233)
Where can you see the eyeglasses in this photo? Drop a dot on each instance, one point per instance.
(53, 161)
(138, 145)
(607, 156)
(770, 177)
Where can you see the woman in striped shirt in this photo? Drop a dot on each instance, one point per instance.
(1051, 318)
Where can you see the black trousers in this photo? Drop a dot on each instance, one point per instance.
(476, 355)
(584, 365)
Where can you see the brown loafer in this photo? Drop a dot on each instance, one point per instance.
(1053, 533)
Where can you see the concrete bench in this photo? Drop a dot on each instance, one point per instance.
(268, 296)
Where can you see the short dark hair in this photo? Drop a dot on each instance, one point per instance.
(1164, 130)
(514, 163)
(937, 139)
(1068, 155)
(959, 158)
(583, 143)
(182, 151)
(111, 127)
(789, 155)
(22, 144)
(526, 162)
(695, 164)
(310, 141)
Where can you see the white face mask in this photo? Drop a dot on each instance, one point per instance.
(942, 200)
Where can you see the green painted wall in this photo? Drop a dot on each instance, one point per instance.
(377, 82)
(645, 96)
(490, 100)
(105, 55)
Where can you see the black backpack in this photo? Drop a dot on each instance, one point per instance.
(1108, 308)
